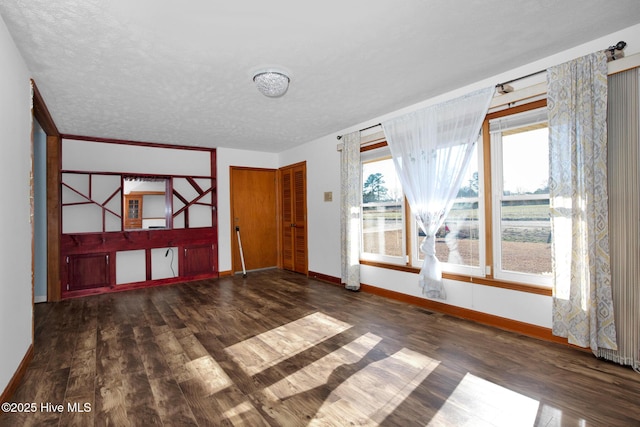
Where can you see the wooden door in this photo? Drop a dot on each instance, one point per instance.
(293, 195)
(253, 211)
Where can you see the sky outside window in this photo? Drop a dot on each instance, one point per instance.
(525, 161)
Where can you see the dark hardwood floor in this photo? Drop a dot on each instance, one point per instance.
(278, 349)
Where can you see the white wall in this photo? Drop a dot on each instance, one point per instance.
(225, 158)
(106, 157)
(323, 174)
(16, 290)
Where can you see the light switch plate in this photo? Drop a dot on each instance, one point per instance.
(328, 196)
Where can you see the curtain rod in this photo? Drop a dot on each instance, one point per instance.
(611, 55)
(520, 78)
(339, 137)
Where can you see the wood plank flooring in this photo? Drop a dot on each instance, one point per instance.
(279, 349)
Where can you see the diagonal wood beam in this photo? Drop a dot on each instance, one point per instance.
(194, 201)
(90, 200)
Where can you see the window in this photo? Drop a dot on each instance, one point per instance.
(382, 209)
(499, 226)
(458, 242)
(520, 169)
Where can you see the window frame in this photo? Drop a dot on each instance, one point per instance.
(498, 199)
(493, 204)
(378, 152)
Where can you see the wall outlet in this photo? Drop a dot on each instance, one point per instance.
(328, 196)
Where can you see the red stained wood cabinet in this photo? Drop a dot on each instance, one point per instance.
(124, 252)
(198, 259)
(88, 271)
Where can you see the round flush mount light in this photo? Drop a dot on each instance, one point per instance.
(271, 83)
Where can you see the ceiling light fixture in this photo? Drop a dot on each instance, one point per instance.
(271, 83)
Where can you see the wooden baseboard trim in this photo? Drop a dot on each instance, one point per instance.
(17, 376)
(510, 325)
(225, 273)
(325, 278)
(498, 322)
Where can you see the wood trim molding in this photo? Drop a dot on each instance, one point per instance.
(325, 278)
(129, 142)
(17, 376)
(147, 193)
(42, 114)
(503, 323)
(54, 217)
(373, 146)
(464, 313)
(127, 174)
(517, 109)
(488, 193)
(54, 162)
(521, 287)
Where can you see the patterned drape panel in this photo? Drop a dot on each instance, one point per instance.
(582, 297)
(350, 194)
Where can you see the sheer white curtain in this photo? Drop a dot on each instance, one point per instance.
(582, 296)
(431, 149)
(350, 195)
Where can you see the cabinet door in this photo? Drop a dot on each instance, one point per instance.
(132, 212)
(198, 259)
(88, 271)
(294, 218)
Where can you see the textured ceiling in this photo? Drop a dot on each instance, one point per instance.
(180, 72)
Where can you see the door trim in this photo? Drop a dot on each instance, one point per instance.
(54, 163)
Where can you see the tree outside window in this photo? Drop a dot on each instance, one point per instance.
(383, 221)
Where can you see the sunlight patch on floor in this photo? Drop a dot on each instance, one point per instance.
(243, 414)
(549, 416)
(211, 375)
(318, 372)
(269, 348)
(477, 402)
(375, 391)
